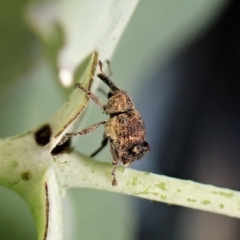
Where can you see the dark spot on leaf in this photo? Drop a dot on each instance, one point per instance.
(43, 135)
(59, 149)
(26, 176)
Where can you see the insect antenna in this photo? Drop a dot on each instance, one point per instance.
(109, 69)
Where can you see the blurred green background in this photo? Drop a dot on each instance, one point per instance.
(30, 93)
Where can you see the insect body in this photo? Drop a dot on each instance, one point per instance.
(125, 128)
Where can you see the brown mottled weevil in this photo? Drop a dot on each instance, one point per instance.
(125, 128)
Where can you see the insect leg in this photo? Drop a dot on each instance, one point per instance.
(83, 132)
(94, 98)
(115, 165)
(103, 144)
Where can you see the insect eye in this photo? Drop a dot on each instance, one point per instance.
(140, 149)
(137, 149)
(146, 147)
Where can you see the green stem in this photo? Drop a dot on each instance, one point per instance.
(85, 172)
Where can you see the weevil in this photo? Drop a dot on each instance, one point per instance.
(125, 129)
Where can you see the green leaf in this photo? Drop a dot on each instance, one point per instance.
(18, 46)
